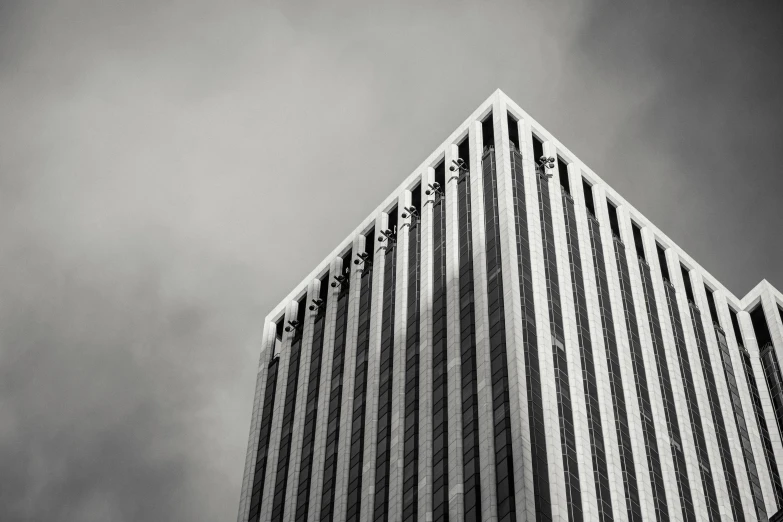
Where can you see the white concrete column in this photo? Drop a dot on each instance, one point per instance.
(486, 434)
(770, 305)
(324, 390)
(425, 351)
(373, 372)
(759, 456)
(675, 375)
(399, 358)
(624, 354)
(605, 399)
(663, 441)
(726, 407)
(697, 373)
(454, 370)
(751, 344)
(305, 361)
(277, 417)
(554, 448)
(349, 378)
(573, 349)
(267, 350)
(512, 310)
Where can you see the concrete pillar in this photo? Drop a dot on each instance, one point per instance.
(701, 391)
(512, 309)
(425, 351)
(397, 434)
(454, 375)
(726, 407)
(544, 334)
(267, 350)
(305, 361)
(751, 344)
(675, 375)
(483, 362)
(277, 417)
(373, 369)
(623, 348)
(319, 442)
(573, 358)
(606, 401)
(759, 456)
(349, 378)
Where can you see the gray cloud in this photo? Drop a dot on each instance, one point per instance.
(169, 170)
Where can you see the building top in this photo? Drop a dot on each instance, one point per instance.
(502, 103)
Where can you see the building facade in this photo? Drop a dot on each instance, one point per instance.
(506, 338)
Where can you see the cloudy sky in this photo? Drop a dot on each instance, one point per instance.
(169, 170)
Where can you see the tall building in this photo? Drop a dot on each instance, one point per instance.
(506, 338)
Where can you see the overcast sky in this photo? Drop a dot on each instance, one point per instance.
(170, 170)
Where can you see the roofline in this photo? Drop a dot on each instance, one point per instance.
(439, 153)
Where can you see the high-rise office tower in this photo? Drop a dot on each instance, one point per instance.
(506, 338)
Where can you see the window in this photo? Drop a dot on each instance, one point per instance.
(686, 280)
(562, 168)
(497, 343)
(587, 188)
(513, 131)
(613, 221)
(637, 240)
(488, 133)
(711, 306)
(662, 261)
(538, 148)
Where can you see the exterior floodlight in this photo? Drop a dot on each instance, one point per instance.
(388, 234)
(434, 189)
(458, 164)
(292, 325)
(413, 214)
(547, 163)
(459, 167)
(339, 279)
